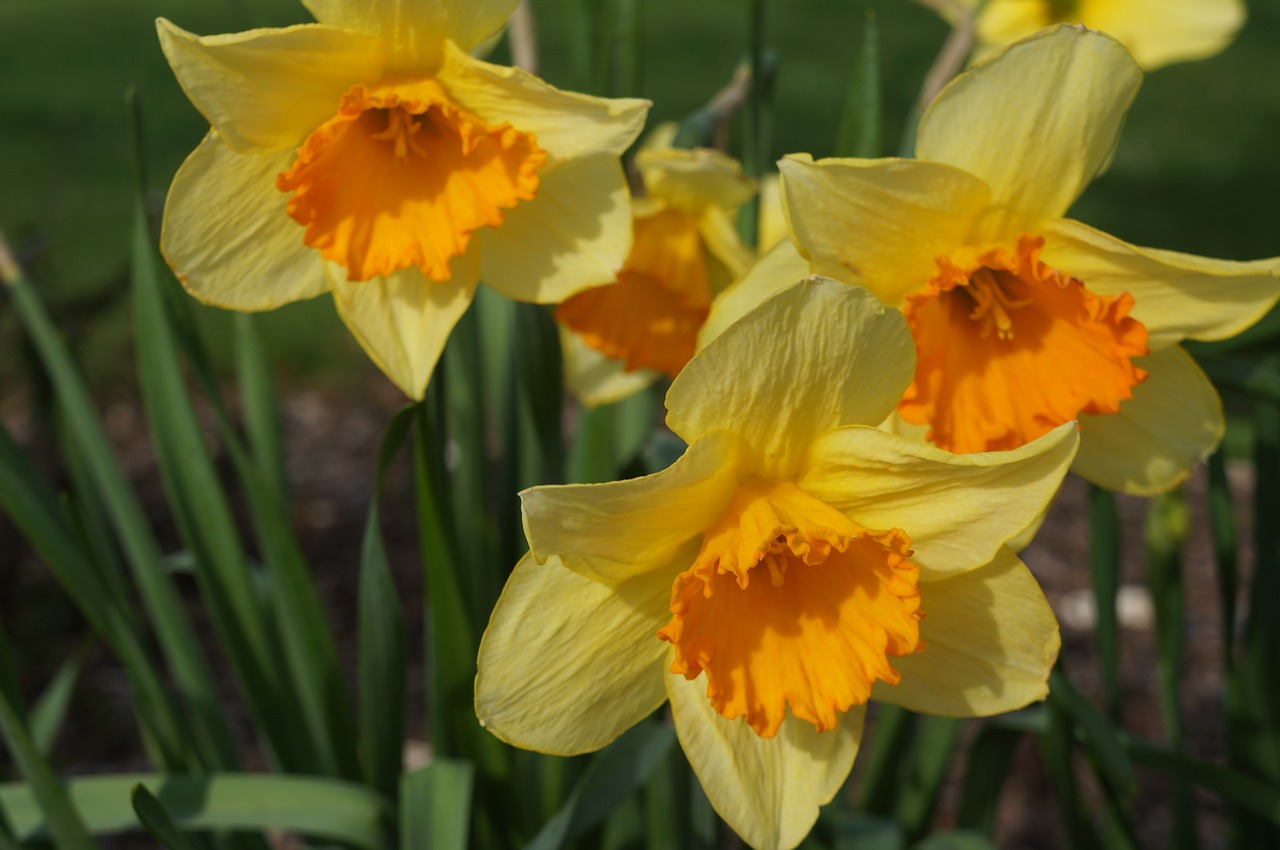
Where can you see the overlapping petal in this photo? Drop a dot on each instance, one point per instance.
(778, 270)
(879, 223)
(567, 125)
(415, 30)
(768, 789)
(552, 632)
(403, 320)
(574, 235)
(990, 641)
(1176, 296)
(1158, 32)
(595, 378)
(817, 356)
(1037, 146)
(269, 88)
(958, 510)
(694, 179)
(612, 532)
(1173, 422)
(226, 233)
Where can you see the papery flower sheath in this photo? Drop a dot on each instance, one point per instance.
(622, 336)
(1156, 32)
(1024, 319)
(370, 156)
(793, 563)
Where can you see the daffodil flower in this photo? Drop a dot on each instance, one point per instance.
(622, 336)
(793, 563)
(1024, 319)
(370, 156)
(1156, 32)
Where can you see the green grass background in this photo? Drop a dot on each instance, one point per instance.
(1197, 169)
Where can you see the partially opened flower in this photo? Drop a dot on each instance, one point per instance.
(686, 249)
(1156, 33)
(795, 562)
(1024, 319)
(370, 156)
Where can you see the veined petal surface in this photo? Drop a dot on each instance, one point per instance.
(1173, 422)
(574, 235)
(269, 88)
(990, 641)
(879, 223)
(818, 356)
(1176, 296)
(768, 789)
(778, 270)
(415, 30)
(612, 532)
(958, 509)
(567, 664)
(1036, 122)
(567, 125)
(402, 320)
(226, 234)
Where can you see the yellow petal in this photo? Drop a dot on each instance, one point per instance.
(596, 379)
(694, 179)
(990, 641)
(1175, 295)
(568, 664)
(612, 532)
(958, 510)
(403, 320)
(1158, 32)
(415, 30)
(817, 356)
(767, 789)
(574, 235)
(881, 221)
(269, 88)
(1173, 422)
(772, 227)
(720, 233)
(226, 233)
(778, 270)
(567, 125)
(1037, 122)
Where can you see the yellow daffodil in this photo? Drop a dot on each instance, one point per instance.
(1024, 319)
(1156, 32)
(370, 156)
(795, 562)
(685, 250)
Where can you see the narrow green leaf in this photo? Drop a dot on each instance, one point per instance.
(383, 663)
(1257, 797)
(757, 137)
(50, 710)
(66, 829)
(311, 806)
(1222, 526)
(860, 123)
(892, 736)
(261, 406)
(612, 775)
(1104, 559)
(1261, 380)
(435, 809)
(1056, 746)
(990, 760)
(156, 821)
(1097, 734)
(540, 391)
(935, 743)
(1167, 527)
(861, 831)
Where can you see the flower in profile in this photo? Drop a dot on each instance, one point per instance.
(1024, 319)
(370, 156)
(793, 563)
(1170, 31)
(622, 336)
